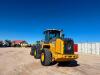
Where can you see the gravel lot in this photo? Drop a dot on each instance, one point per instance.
(18, 61)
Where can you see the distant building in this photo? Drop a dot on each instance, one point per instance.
(7, 43)
(19, 43)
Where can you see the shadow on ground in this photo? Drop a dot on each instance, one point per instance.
(68, 64)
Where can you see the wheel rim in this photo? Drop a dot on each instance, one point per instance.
(42, 57)
(35, 53)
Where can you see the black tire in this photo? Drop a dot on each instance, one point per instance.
(37, 55)
(47, 57)
(31, 53)
(32, 50)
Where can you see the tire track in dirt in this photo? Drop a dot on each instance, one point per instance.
(18, 61)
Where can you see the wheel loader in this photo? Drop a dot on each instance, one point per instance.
(55, 48)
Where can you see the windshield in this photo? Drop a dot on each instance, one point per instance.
(54, 35)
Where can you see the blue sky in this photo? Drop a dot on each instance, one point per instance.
(27, 19)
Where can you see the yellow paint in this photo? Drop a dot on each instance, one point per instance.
(59, 46)
(57, 50)
(35, 53)
(42, 57)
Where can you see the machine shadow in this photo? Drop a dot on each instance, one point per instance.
(68, 64)
(53, 63)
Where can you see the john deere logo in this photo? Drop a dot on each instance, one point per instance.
(69, 48)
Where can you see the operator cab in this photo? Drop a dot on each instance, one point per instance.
(52, 33)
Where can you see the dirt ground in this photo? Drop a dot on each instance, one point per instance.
(18, 61)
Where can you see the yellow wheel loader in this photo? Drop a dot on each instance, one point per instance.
(55, 48)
